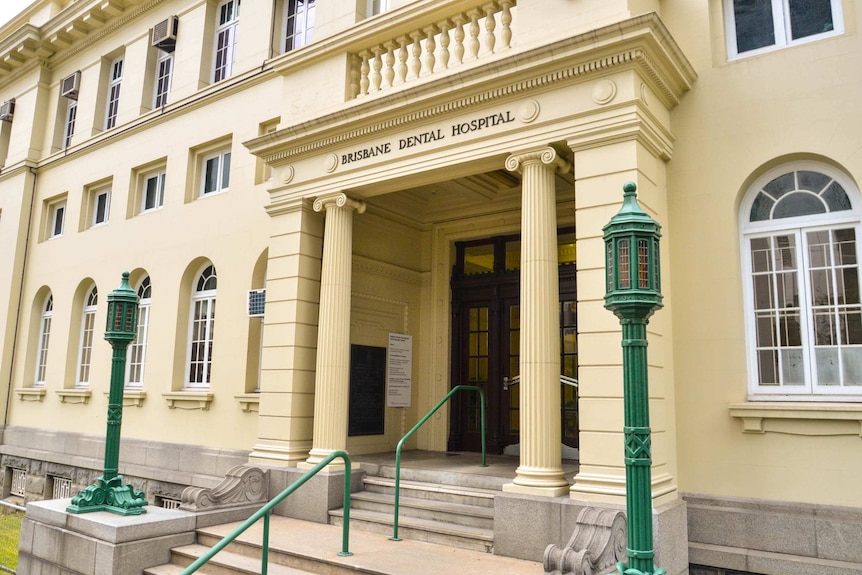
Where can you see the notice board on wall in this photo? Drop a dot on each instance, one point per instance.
(400, 372)
(367, 390)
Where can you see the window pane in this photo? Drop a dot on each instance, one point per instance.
(824, 329)
(810, 17)
(763, 292)
(851, 364)
(513, 255)
(754, 26)
(765, 325)
(788, 290)
(792, 367)
(836, 198)
(761, 210)
(150, 194)
(479, 259)
(211, 175)
(761, 256)
(767, 366)
(225, 171)
(798, 204)
(784, 183)
(845, 247)
(851, 327)
(812, 181)
(790, 330)
(827, 366)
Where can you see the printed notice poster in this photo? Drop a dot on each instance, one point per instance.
(400, 369)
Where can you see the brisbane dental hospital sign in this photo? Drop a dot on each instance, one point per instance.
(427, 137)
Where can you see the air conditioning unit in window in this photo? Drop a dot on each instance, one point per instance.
(70, 85)
(7, 110)
(256, 302)
(165, 34)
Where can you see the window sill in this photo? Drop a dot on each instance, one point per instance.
(189, 399)
(132, 398)
(31, 393)
(814, 419)
(74, 395)
(249, 402)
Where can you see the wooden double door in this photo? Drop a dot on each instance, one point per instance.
(486, 353)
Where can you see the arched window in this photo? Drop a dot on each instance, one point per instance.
(138, 348)
(801, 226)
(201, 329)
(85, 348)
(44, 338)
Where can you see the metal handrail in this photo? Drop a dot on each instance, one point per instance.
(417, 426)
(266, 511)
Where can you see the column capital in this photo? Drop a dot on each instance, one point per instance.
(340, 200)
(545, 155)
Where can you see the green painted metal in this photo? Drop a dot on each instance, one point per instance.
(634, 294)
(109, 493)
(440, 404)
(265, 512)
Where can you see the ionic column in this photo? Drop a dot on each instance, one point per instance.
(540, 471)
(333, 331)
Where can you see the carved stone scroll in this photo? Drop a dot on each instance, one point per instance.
(597, 544)
(242, 485)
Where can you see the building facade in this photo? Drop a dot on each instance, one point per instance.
(347, 180)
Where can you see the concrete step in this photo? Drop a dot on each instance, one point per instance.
(417, 529)
(464, 495)
(474, 478)
(442, 511)
(313, 548)
(223, 563)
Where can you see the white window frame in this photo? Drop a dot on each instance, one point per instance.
(164, 78)
(298, 24)
(797, 227)
(101, 206)
(138, 348)
(224, 52)
(85, 345)
(222, 162)
(44, 340)
(201, 329)
(57, 219)
(115, 80)
(158, 177)
(69, 122)
(781, 27)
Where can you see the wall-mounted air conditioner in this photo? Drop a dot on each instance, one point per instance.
(7, 110)
(70, 85)
(165, 34)
(256, 302)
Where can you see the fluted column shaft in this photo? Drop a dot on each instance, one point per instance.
(332, 379)
(540, 471)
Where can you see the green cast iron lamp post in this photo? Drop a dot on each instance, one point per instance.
(109, 493)
(633, 294)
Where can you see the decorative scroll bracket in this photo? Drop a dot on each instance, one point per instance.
(597, 544)
(242, 485)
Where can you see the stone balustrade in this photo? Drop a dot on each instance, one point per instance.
(433, 48)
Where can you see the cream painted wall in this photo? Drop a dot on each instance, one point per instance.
(740, 118)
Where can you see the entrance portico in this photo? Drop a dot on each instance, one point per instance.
(425, 162)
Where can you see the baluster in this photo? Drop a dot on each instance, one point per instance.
(473, 44)
(506, 21)
(363, 73)
(376, 64)
(444, 43)
(459, 38)
(401, 70)
(430, 46)
(416, 51)
(354, 75)
(490, 26)
(389, 63)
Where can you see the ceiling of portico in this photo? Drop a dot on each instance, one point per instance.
(458, 197)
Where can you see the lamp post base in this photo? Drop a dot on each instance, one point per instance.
(623, 570)
(111, 496)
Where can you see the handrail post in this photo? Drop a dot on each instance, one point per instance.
(264, 552)
(442, 402)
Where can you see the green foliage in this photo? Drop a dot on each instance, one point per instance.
(10, 527)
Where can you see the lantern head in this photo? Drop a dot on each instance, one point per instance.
(122, 313)
(632, 260)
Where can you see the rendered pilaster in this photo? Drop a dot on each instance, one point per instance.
(332, 379)
(540, 471)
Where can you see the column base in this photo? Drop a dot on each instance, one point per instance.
(278, 455)
(539, 481)
(315, 456)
